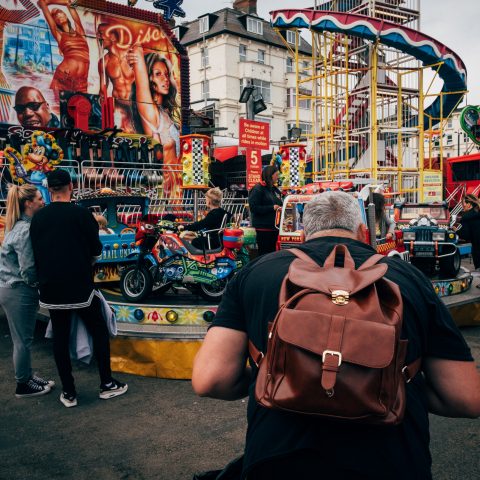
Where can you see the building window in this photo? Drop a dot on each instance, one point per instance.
(203, 24)
(291, 37)
(305, 127)
(263, 88)
(176, 32)
(242, 51)
(449, 139)
(290, 65)
(204, 56)
(304, 103)
(261, 56)
(254, 26)
(205, 89)
(449, 123)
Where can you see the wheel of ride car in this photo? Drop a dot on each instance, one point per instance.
(213, 291)
(449, 266)
(136, 283)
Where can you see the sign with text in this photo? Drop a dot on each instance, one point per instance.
(432, 186)
(254, 134)
(254, 167)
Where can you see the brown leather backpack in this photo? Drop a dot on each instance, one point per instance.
(334, 348)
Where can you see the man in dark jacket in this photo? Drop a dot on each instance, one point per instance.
(65, 244)
(470, 222)
(264, 200)
(282, 445)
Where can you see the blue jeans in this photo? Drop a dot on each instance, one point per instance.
(20, 304)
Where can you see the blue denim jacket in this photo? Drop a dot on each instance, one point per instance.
(17, 264)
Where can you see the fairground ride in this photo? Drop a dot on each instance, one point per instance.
(375, 108)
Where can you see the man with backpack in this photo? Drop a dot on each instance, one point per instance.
(348, 355)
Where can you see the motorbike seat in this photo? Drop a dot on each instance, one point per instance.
(198, 251)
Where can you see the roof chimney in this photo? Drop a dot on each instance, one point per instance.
(247, 6)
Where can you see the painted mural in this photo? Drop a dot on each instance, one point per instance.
(53, 50)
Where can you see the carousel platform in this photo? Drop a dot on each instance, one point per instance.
(161, 336)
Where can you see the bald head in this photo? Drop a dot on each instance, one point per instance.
(31, 107)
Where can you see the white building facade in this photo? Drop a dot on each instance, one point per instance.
(231, 47)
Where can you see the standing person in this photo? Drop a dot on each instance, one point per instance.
(282, 445)
(154, 98)
(384, 226)
(65, 244)
(72, 73)
(113, 67)
(470, 223)
(264, 200)
(212, 221)
(18, 286)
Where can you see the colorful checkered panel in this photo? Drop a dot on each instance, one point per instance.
(197, 158)
(294, 164)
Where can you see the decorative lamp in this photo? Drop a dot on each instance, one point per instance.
(292, 170)
(195, 160)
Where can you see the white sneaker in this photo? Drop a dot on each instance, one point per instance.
(68, 399)
(113, 389)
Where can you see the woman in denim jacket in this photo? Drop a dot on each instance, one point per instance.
(18, 287)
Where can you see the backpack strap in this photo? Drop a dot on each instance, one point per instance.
(370, 262)
(255, 353)
(409, 371)
(303, 256)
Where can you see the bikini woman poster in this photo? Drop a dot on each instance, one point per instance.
(49, 46)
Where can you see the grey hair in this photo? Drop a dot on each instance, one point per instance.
(332, 211)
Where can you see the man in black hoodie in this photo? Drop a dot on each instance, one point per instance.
(65, 245)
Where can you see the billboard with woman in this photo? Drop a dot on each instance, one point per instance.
(52, 49)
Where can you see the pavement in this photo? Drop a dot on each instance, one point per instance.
(158, 430)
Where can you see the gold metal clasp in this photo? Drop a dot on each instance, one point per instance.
(334, 354)
(340, 297)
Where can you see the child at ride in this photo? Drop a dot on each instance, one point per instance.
(264, 200)
(470, 223)
(102, 225)
(214, 220)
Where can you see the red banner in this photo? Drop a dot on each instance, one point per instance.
(254, 134)
(254, 167)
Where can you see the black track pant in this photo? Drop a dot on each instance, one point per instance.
(266, 241)
(93, 319)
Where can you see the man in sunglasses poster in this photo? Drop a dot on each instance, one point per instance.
(33, 110)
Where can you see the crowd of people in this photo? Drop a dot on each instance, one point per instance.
(37, 268)
(279, 444)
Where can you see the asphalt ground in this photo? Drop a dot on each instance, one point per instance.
(158, 430)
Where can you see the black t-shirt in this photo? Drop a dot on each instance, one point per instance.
(65, 240)
(400, 452)
(212, 221)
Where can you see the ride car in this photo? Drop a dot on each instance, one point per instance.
(290, 224)
(429, 237)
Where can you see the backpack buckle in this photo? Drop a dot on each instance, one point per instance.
(340, 297)
(334, 353)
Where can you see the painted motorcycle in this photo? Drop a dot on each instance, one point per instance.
(164, 260)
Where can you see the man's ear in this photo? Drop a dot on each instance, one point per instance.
(70, 187)
(362, 233)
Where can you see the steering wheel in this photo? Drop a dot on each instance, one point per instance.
(127, 230)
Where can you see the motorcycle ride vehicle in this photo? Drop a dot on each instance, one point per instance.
(164, 260)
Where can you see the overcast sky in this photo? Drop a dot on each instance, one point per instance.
(455, 23)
